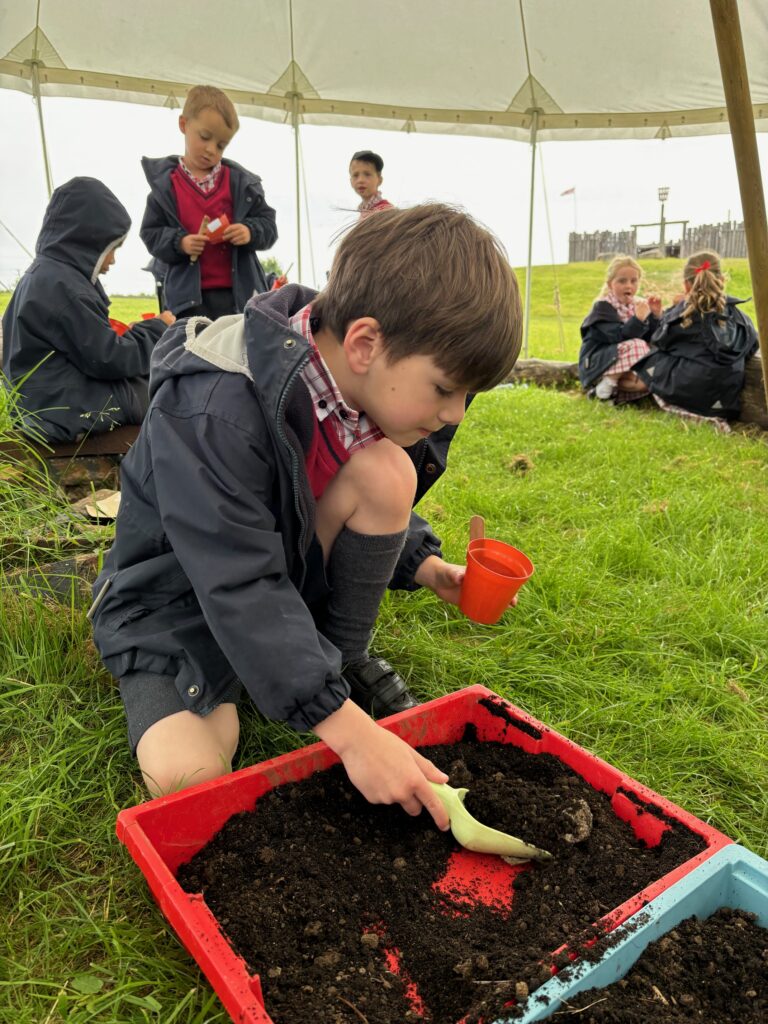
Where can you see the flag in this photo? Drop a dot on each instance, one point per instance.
(568, 192)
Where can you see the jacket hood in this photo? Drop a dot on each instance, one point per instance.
(200, 345)
(83, 223)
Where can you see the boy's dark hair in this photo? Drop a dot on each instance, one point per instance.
(369, 157)
(438, 283)
(208, 97)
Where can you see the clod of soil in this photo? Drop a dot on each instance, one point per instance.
(708, 972)
(359, 901)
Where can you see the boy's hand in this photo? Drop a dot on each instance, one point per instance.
(642, 309)
(237, 234)
(167, 317)
(381, 765)
(654, 301)
(444, 578)
(193, 245)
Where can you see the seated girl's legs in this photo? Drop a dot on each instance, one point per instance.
(631, 382)
(185, 748)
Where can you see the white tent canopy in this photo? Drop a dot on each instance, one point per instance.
(592, 68)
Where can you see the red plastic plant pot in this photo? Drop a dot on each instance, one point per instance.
(164, 833)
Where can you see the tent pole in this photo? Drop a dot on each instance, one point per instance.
(527, 315)
(733, 68)
(39, 105)
(295, 119)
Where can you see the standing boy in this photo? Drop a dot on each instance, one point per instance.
(365, 178)
(205, 273)
(267, 502)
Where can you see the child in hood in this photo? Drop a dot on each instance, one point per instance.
(71, 372)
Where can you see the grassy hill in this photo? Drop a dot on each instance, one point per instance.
(551, 337)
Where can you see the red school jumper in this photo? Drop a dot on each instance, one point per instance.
(192, 204)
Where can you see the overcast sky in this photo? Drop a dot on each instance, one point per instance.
(616, 183)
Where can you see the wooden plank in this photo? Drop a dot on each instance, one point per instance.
(547, 372)
(111, 442)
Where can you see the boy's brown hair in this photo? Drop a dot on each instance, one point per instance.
(208, 97)
(438, 283)
(705, 276)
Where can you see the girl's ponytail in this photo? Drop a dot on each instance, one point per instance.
(707, 291)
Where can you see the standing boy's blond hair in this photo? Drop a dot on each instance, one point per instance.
(208, 97)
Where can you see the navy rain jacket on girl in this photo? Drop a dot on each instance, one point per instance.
(700, 367)
(71, 370)
(601, 332)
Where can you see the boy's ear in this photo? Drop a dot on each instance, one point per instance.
(362, 343)
(182, 124)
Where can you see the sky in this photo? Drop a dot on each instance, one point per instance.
(616, 182)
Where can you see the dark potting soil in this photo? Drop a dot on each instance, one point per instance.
(713, 971)
(315, 885)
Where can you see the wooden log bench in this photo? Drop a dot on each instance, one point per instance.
(77, 466)
(550, 373)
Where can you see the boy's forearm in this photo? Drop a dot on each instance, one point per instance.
(345, 726)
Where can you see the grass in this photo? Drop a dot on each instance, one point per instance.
(550, 336)
(640, 636)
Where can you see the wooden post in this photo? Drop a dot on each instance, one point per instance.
(733, 69)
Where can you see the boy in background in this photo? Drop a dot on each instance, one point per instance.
(365, 178)
(72, 373)
(266, 505)
(206, 276)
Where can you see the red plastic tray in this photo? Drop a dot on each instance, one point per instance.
(164, 833)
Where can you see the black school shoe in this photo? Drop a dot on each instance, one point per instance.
(377, 688)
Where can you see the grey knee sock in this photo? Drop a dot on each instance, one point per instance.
(359, 569)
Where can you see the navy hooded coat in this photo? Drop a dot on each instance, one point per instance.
(700, 367)
(204, 580)
(71, 371)
(162, 231)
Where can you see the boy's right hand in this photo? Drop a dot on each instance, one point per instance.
(193, 245)
(167, 317)
(381, 765)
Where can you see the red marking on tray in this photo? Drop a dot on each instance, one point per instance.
(473, 879)
(410, 990)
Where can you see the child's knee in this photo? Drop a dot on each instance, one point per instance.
(386, 476)
(184, 749)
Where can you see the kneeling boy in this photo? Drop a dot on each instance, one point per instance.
(267, 503)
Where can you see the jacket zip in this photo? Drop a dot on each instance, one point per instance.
(294, 460)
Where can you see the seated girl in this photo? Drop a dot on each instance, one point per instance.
(696, 368)
(616, 332)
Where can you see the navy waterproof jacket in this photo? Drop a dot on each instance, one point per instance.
(601, 332)
(162, 232)
(70, 369)
(700, 367)
(203, 581)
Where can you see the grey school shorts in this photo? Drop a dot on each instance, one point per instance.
(148, 698)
